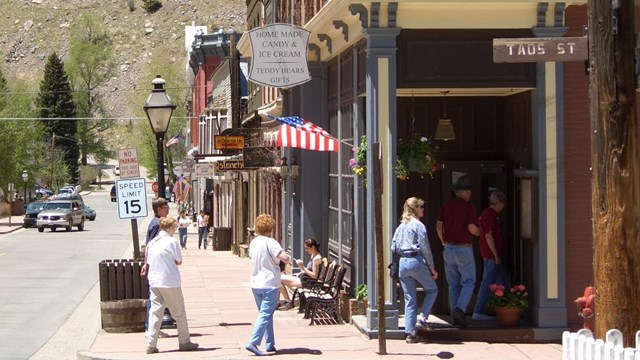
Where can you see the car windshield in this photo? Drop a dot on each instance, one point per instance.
(57, 206)
(34, 207)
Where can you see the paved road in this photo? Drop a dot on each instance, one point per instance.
(44, 276)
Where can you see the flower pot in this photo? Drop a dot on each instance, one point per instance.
(508, 317)
(413, 165)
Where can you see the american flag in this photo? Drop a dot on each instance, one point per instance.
(299, 133)
(173, 141)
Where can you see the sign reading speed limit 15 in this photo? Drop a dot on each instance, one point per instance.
(132, 198)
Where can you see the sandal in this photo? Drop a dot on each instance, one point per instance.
(286, 306)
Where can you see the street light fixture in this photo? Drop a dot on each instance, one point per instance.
(159, 109)
(25, 178)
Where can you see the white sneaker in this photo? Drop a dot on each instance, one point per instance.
(482, 317)
(422, 322)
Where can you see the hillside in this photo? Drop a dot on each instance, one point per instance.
(30, 30)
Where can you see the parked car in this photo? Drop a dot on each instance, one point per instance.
(42, 192)
(61, 214)
(116, 170)
(113, 194)
(89, 213)
(31, 215)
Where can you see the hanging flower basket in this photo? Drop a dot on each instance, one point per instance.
(415, 155)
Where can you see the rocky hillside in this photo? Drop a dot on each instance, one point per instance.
(30, 30)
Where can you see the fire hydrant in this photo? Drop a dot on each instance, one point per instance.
(586, 307)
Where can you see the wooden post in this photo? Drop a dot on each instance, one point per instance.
(377, 184)
(136, 239)
(614, 159)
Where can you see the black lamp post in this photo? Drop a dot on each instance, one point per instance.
(159, 109)
(25, 178)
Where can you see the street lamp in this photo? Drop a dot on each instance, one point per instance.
(159, 109)
(25, 178)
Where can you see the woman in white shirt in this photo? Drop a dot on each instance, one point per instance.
(183, 223)
(265, 253)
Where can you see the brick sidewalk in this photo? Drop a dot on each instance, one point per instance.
(221, 311)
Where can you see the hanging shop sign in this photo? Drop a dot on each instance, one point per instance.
(279, 55)
(221, 142)
(204, 170)
(229, 165)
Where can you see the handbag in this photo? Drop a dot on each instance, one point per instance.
(394, 269)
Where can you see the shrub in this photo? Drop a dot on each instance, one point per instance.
(151, 6)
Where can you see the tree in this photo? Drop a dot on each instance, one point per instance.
(58, 112)
(91, 64)
(21, 141)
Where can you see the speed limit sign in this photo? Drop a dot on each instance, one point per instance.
(132, 198)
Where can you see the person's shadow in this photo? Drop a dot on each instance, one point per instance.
(298, 350)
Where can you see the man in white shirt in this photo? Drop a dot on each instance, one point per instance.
(163, 258)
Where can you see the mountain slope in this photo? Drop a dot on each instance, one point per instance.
(30, 30)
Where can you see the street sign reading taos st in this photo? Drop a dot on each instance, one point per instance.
(222, 142)
(128, 161)
(540, 49)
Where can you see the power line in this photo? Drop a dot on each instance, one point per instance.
(100, 118)
(89, 91)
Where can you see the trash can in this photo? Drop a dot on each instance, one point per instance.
(222, 238)
(123, 295)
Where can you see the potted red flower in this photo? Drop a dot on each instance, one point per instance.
(508, 304)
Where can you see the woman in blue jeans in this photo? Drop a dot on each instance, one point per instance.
(266, 254)
(411, 243)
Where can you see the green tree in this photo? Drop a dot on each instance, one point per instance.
(21, 141)
(58, 112)
(91, 64)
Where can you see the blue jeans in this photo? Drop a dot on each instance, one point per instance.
(413, 270)
(460, 269)
(492, 274)
(202, 237)
(182, 234)
(266, 300)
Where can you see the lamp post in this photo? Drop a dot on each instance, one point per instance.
(159, 109)
(25, 178)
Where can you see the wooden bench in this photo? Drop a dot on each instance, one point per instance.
(324, 298)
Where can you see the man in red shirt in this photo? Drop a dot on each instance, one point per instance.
(492, 252)
(456, 227)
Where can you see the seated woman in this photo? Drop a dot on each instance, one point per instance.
(311, 270)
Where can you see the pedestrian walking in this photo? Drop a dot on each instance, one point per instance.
(266, 254)
(163, 258)
(456, 227)
(160, 209)
(203, 227)
(183, 223)
(411, 243)
(492, 252)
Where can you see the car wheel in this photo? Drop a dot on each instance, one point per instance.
(81, 226)
(53, 229)
(68, 227)
(40, 229)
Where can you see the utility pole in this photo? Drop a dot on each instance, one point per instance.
(614, 160)
(53, 157)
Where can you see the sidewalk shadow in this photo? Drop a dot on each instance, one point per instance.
(298, 350)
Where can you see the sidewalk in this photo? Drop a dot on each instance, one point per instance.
(221, 311)
(16, 224)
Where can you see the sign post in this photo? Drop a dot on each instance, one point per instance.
(132, 204)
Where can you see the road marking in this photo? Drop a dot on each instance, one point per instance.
(1, 254)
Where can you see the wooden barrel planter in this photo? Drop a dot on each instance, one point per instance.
(123, 316)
